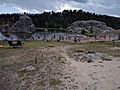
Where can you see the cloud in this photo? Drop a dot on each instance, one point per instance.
(109, 7)
(81, 1)
(39, 5)
(22, 10)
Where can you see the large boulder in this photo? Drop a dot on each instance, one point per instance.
(5, 28)
(24, 24)
(90, 25)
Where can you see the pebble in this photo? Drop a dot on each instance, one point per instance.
(29, 68)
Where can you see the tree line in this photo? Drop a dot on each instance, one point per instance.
(61, 19)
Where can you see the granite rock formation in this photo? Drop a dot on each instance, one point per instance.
(90, 25)
(24, 24)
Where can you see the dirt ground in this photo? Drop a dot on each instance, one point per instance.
(54, 68)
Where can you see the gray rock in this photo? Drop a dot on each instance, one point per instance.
(86, 58)
(92, 57)
(90, 25)
(29, 68)
(107, 59)
(6, 28)
(90, 51)
(100, 61)
(24, 24)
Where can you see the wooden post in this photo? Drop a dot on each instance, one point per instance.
(35, 59)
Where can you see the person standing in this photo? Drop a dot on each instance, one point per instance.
(75, 39)
(113, 43)
(79, 39)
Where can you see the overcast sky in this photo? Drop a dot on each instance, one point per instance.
(108, 7)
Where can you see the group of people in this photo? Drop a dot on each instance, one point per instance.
(58, 37)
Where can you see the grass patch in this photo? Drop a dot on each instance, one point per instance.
(36, 44)
(55, 82)
(42, 82)
(98, 46)
(5, 67)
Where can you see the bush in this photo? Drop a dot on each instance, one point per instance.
(83, 32)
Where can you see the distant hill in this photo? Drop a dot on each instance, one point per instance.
(61, 19)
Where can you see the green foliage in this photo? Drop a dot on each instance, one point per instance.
(55, 82)
(89, 34)
(35, 44)
(61, 19)
(83, 32)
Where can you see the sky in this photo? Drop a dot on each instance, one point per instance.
(104, 7)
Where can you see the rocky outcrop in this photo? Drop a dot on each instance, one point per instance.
(24, 24)
(91, 56)
(90, 25)
(5, 28)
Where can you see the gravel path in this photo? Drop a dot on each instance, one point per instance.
(94, 76)
(56, 70)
